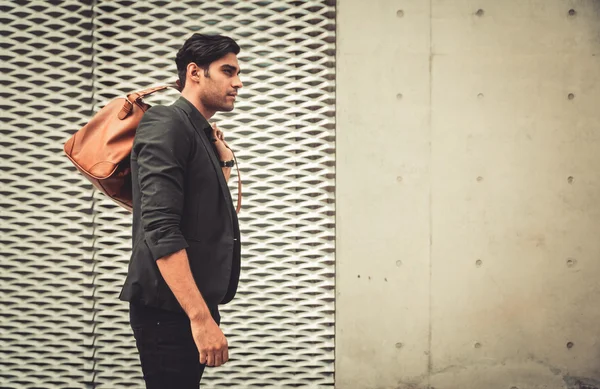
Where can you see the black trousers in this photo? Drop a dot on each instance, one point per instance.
(168, 353)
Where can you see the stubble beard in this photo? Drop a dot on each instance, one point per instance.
(218, 103)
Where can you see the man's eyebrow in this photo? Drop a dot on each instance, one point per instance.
(231, 67)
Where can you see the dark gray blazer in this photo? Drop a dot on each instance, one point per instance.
(180, 200)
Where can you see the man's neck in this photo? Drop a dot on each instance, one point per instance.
(193, 98)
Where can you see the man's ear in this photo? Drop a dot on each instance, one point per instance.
(194, 72)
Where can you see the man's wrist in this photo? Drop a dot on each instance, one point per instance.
(225, 154)
(199, 316)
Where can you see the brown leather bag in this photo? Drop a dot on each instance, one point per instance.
(101, 149)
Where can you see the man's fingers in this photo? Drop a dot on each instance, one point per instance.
(216, 133)
(210, 360)
(216, 130)
(218, 359)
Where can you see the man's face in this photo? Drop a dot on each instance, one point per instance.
(219, 89)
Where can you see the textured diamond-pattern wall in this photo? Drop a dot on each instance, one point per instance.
(45, 214)
(64, 256)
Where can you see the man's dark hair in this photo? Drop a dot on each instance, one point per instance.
(203, 50)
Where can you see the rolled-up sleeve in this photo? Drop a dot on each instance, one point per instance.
(162, 147)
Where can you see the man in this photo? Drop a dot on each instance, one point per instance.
(185, 259)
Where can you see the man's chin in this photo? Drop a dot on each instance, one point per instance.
(227, 107)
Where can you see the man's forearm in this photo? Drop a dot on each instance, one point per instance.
(175, 269)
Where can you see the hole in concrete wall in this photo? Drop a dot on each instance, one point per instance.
(572, 12)
(480, 12)
(570, 345)
(400, 13)
(570, 179)
(571, 96)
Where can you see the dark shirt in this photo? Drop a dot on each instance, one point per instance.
(180, 201)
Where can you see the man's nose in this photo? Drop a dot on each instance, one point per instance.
(237, 83)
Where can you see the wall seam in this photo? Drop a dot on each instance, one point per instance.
(93, 210)
(335, 181)
(429, 353)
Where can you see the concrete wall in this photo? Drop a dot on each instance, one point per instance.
(468, 194)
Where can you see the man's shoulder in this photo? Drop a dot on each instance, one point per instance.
(164, 114)
(163, 124)
(165, 119)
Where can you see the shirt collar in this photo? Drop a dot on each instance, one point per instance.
(195, 115)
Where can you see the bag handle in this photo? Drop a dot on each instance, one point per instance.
(149, 91)
(135, 96)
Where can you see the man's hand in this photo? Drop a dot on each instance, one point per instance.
(210, 341)
(225, 154)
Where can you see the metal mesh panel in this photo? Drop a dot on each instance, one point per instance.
(280, 326)
(45, 216)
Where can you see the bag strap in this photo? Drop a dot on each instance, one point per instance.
(239, 197)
